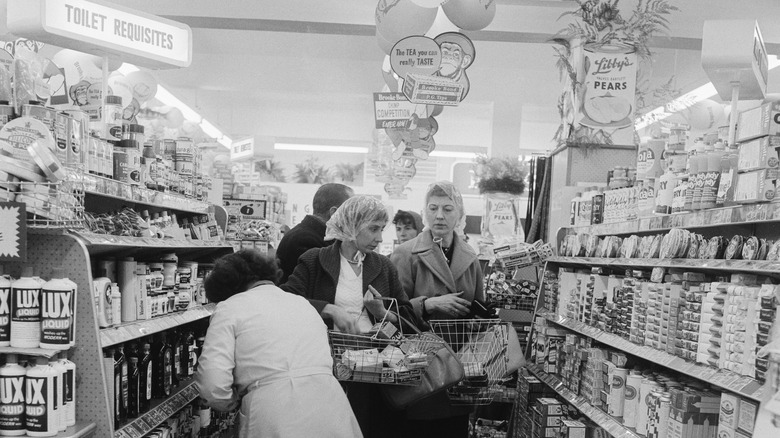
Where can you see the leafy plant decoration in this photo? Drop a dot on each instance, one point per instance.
(497, 174)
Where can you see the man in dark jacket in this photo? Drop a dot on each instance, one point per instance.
(310, 233)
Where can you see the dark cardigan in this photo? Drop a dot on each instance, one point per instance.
(308, 234)
(317, 275)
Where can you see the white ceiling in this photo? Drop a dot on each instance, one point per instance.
(307, 68)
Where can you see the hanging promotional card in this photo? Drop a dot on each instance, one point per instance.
(605, 103)
(434, 70)
(392, 110)
(13, 231)
(246, 208)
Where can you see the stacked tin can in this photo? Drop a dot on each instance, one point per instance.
(638, 319)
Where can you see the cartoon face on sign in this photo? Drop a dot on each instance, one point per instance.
(79, 93)
(457, 54)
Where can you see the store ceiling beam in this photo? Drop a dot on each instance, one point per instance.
(348, 29)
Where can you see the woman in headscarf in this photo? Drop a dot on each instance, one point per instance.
(442, 275)
(343, 282)
(267, 351)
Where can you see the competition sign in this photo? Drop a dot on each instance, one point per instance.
(103, 29)
(392, 110)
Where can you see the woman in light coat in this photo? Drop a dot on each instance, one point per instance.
(441, 274)
(267, 351)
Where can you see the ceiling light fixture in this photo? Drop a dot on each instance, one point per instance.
(706, 91)
(168, 99)
(453, 154)
(320, 148)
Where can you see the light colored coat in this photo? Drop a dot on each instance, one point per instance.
(423, 271)
(275, 346)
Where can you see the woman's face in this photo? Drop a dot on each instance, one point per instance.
(405, 232)
(370, 237)
(442, 215)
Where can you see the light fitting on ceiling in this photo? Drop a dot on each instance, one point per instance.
(320, 148)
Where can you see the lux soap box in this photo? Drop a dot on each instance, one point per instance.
(758, 122)
(754, 187)
(432, 90)
(757, 154)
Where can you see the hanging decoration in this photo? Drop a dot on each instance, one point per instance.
(598, 57)
(426, 65)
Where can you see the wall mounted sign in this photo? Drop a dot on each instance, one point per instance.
(13, 231)
(246, 208)
(392, 110)
(103, 29)
(242, 149)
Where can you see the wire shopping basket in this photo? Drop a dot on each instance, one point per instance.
(384, 355)
(480, 345)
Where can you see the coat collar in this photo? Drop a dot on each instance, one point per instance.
(330, 260)
(430, 254)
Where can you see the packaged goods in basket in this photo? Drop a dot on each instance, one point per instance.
(369, 358)
(516, 253)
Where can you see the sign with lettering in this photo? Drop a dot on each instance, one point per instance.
(392, 110)
(606, 100)
(242, 149)
(103, 29)
(432, 90)
(13, 231)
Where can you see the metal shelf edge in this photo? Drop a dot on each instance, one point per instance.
(757, 266)
(601, 418)
(142, 425)
(730, 381)
(110, 336)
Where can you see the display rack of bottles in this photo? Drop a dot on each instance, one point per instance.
(718, 217)
(133, 330)
(160, 410)
(105, 243)
(766, 267)
(601, 418)
(733, 382)
(103, 188)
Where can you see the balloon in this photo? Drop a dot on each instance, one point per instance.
(174, 118)
(705, 116)
(470, 14)
(120, 86)
(144, 85)
(392, 80)
(402, 18)
(113, 62)
(440, 25)
(435, 110)
(429, 3)
(384, 44)
(80, 74)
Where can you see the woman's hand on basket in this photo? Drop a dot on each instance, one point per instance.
(451, 305)
(342, 321)
(373, 302)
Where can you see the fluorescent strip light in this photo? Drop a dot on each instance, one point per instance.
(320, 148)
(225, 141)
(706, 91)
(209, 129)
(453, 154)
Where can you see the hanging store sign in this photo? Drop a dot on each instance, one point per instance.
(103, 29)
(242, 149)
(606, 103)
(392, 110)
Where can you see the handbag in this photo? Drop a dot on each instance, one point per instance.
(444, 371)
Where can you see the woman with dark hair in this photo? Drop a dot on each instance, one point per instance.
(268, 351)
(442, 275)
(408, 225)
(343, 282)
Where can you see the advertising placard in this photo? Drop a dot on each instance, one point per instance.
(392, 110)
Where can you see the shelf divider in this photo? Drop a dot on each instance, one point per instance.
(751, 266)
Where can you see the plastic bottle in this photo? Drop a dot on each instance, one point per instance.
(56, 312)
(5, 310)
(163, 356)
(665, 194)
(120, 386)
(69, 389)
(701, 175)
(59, 409)
(133, 380)
(170, 262)
(144, 287)
(40, 399)
(12, 397)
(128, 286)
(146, 379)
(73, 308)
(25, 311)
(116, 304)
(574, 212)
(101, 291)
(178, 348)
(709, 193)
